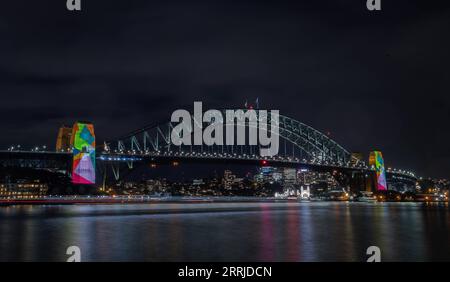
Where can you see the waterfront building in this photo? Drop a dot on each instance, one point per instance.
(23, 190)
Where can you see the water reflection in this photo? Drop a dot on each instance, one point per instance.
(226, 232)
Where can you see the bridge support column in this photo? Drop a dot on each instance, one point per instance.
(357, 181)
(116, 171)
(104, 179)
(370, 181)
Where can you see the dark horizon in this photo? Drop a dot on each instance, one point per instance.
(373, 80)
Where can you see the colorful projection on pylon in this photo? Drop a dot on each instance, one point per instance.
(376, 159)
(83, 141)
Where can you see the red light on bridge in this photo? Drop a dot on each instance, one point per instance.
(264, 162)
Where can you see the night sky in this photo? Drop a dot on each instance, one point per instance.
(374, 80)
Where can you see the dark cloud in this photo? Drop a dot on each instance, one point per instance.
(374, 80)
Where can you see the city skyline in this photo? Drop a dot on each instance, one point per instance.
(368, 80)
(220, 139)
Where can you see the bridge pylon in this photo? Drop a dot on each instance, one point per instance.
(376, 160)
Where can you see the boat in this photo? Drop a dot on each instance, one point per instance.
(366, 196)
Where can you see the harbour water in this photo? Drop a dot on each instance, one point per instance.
(230, 231)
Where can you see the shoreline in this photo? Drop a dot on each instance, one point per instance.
(171, 200)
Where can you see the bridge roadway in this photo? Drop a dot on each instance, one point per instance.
(36, 159)
(183, 157)
(63, 160)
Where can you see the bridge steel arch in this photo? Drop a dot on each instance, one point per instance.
(297, 140)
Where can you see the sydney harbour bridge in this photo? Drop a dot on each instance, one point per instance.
(300, 147)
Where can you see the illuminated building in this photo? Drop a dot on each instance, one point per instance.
(305, 192)
(317, 182)
(23, 190)
(269, 174)
(83, 140)
(305, 177)
(228, 179)
(376, 160)
(290, 175)
(63, 141)
(198, 182)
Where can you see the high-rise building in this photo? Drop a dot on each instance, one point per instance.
(290, 177)
(63, 141)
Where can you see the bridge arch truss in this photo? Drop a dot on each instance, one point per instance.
(296, 140)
